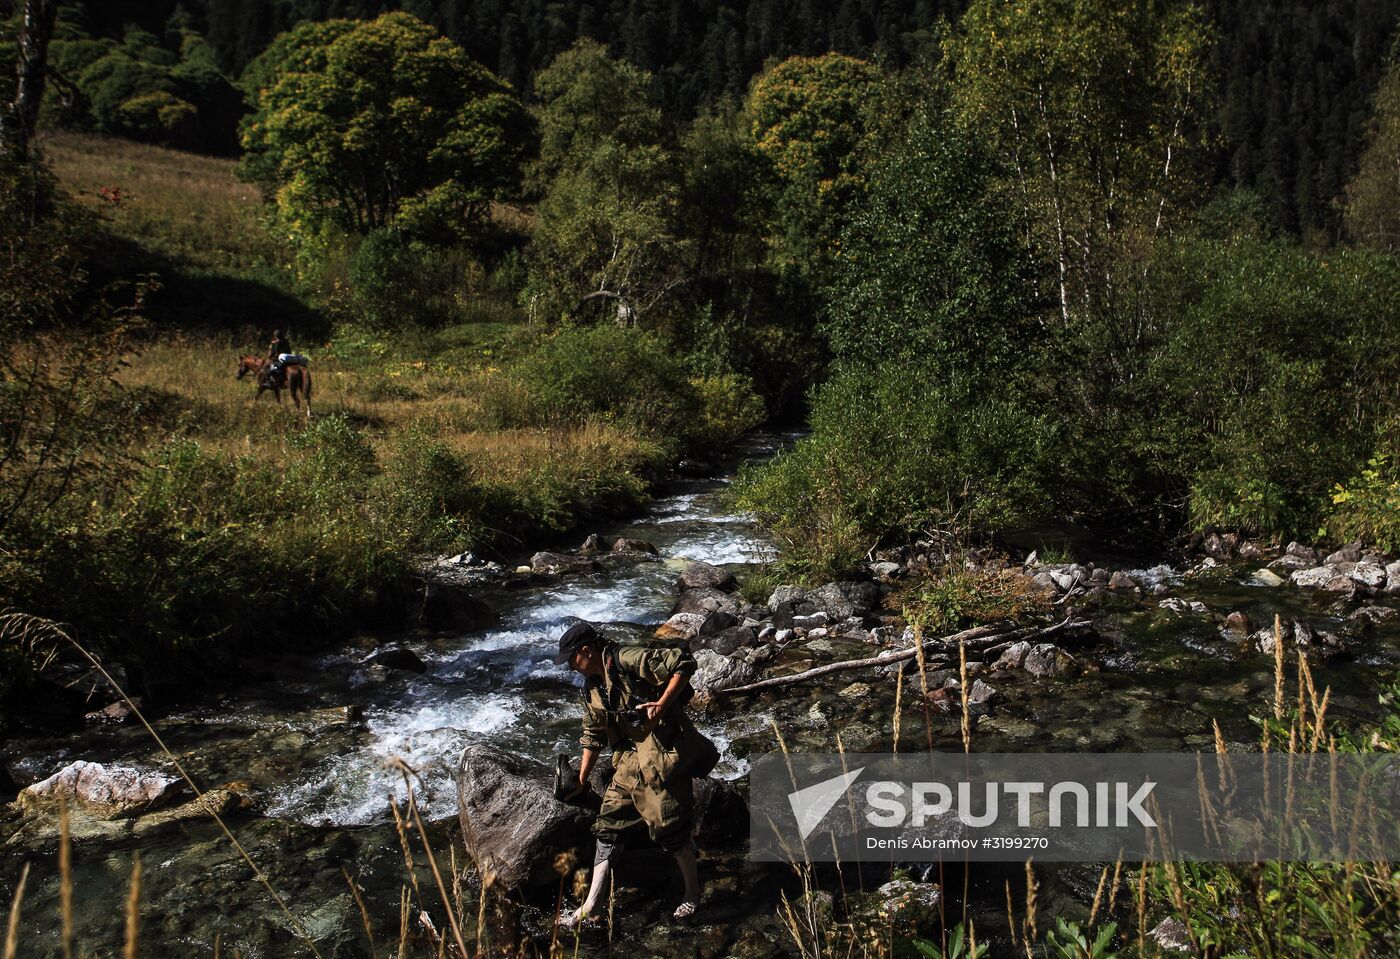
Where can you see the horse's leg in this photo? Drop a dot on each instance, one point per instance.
(306, 391)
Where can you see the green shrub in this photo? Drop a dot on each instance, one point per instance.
(729, 407)
(604, 370)
(1367, 506)
(896, 449)
(427, 493)
(955, 597)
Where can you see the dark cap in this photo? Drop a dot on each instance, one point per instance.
(575, 638)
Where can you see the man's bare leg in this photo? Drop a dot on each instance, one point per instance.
(690, 872)
(602, 866)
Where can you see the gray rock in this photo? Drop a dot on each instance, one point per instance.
(682, 626)
(786, 598)
(1171, 933)
(717, 672)
(593, 544)
(981, 694)
(633, 546)
(1392, 577)
(784, 636)
(1316, 578)
(1161, 589)
(395, 657)
(1184, 606)
(846, 599)
(1044, 582)
(886, 571)
(1121, 580)
(1047, 659)
(1374, 614)
(1289, 563)
(1350, 553)
(1369, 575)
(1266, 577)
(705, 599)
(768, 632)
(1238, 622)
(511, 822)
(1013, 656)
(547, 562)
(110, 791)
(855, 691)
(1305, 553)
(696, 575)
(718, 622)
(1373, 557)
(1064, 579)
(818, 632)
(114, 713)
(812, 621)
(728, 641)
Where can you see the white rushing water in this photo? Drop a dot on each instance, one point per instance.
(500, 685)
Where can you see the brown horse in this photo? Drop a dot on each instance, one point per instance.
(296, 379)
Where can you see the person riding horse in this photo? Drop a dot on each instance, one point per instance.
(278, 348)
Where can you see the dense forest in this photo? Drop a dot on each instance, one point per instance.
(1294, 78)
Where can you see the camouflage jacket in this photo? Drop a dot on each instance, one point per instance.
(633, 675)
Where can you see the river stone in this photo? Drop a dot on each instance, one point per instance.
(547, 562)
(1047, 659)
(112, 791)
(682, 626)
(450, 607)
(1373, 614)
(1044, 582)
(1369, 575)
(981, 695)
(812, 621)
(785, 599)
(1183, 606)
(1121, 580)
(695, 575)
(845, 599)
(1266, 577)
(1013, 656)
(592, 544)
(115, 713)
(1392, 577)
(1171, 933)
(512, 824)
(395, 657)
(1316, 578)
(1307, 553)
(717, 672)
(886, 571)
(623, 545)
(705, 599)
(728, 641)
(1238, 622)
(1350, 553)
(856, 690)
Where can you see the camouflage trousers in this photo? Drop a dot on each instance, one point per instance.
(667, 808)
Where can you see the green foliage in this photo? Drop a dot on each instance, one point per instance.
(1367, 506)
(606, 221)
(954, 598)
(1068, 941)
(961, 459)
(931, 265)
(729, 408)
(806, 118)
(960, 946)
(604, 370)
(1373, 194)
(356, 121)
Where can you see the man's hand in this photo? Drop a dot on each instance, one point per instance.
(652, 710)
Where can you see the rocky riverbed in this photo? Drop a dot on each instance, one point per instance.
(299, 760)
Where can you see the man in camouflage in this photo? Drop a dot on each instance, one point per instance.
(634, 702)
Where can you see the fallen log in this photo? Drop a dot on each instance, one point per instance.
(989, 634)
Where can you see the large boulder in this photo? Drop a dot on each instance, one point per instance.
(109, 791)
(786, 600)
(1047, 659)
(633, 546)
(1392, 577)
(1319, 577)
(683, 626)
(706, 599)
(698, 575)
(1306, 553)
(512, 824)
(1350, 553)
(844, 600)
(450, 607)
(728, 641)
(718, 672)
(1369, 575)
(396, 657)
(547, 562)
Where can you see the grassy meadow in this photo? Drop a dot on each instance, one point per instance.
(207, 507)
